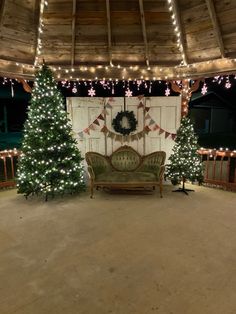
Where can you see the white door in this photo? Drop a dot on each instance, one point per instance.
(89, 115)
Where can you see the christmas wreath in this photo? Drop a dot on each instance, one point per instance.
(119, 125)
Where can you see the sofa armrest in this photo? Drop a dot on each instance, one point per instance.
(97, 164)
(154, 163)
(161, 173)
(91, 173)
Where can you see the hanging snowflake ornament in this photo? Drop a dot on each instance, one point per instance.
(227, 85)
(204, 89)
(74, 90)
(167, 91)
(91, 92)
(128, 93)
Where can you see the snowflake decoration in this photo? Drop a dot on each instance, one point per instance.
(63, 83)
(91, 92)
(227, 85)
(139, 82)
(128, 93)
(74, 90)
(204, 89)
(167, 91)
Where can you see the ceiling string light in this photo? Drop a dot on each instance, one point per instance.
(176, 24)
(39, 46)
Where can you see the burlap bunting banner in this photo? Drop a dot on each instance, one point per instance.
(87, 131)
(151, 122)
(96, 122)
(167, 134)
(147, 116)
(104, 129)
(105, 112)
(161, 131)
(156, 127)
(100, 117)
(140, 105)
(81, 134)
(108, 106)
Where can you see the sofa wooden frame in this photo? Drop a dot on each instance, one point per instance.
(123, 185)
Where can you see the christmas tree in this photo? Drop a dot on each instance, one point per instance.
(50, 163)
(185, 162)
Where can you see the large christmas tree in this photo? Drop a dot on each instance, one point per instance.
(185, 162)
(50, 163)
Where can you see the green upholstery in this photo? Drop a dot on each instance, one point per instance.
(152, 163)
(121, 177)
(125, 160)
(124, 168)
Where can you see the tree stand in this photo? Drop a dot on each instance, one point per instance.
(182, 189)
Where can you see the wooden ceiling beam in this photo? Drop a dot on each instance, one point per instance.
(73, 33)
(179, 24)
(144, 31)
(200, 70)
(109, 30)
(216, 26)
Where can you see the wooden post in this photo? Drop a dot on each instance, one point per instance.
(186, 92)
(5, 168)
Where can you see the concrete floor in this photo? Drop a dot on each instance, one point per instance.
(119, 253)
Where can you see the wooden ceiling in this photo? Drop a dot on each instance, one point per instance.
(119, 39)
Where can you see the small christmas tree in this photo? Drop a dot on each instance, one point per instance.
(50, 163)
(185, 162)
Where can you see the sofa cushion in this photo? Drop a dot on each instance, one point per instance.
(126, 177)
(125, 160)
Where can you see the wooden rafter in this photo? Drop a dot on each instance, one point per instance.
(73, 33)
(109, 30)
(144, 31)
(2, 7)
(179, 24)
(216, 26)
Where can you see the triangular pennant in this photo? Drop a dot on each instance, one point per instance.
(111, 99)
(100, 117)
(140, 105)
(140, 97)
(147, 129)
(109, 134)
(87, 131)
(118, 137)
(105, 112)
(81, 134)
(161, 131)
(112, 135)
(140, 134)
(151, 122)
(92, 127)
(156, 127)
(147, 109)
(173, 136)
(108, 106)
(104, 129)
(147, 116)
(96, 122)
(167, 134)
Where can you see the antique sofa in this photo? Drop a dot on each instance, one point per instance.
(125, 168)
